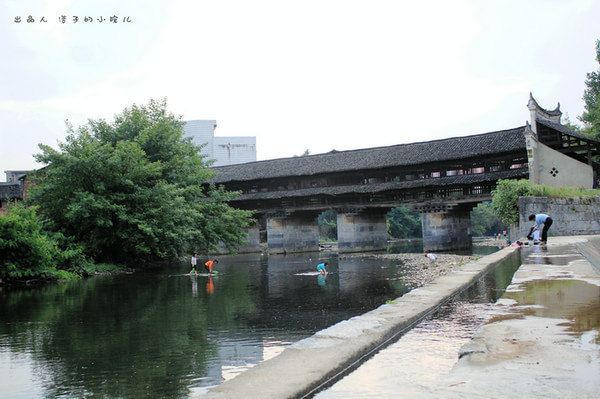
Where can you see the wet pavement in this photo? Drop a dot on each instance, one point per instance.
(540, 339)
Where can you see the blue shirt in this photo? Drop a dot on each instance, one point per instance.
(321, 267)
(540, 218)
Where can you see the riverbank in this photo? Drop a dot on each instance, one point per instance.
(422, 269)
(56, 276)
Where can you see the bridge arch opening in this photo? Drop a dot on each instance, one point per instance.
(327, 221)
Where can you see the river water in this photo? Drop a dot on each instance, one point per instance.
(166, 334)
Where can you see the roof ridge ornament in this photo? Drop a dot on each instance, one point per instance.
(528, 130)
(537, 112)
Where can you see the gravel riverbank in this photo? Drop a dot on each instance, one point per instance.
(421, 270)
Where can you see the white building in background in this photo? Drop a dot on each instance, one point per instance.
(223, 150)
(12, 176)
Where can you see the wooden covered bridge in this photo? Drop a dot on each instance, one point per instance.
(442, 179)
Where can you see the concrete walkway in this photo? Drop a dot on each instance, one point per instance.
(540, 340)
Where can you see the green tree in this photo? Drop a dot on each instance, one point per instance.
(402, 222)
(25, 250)
(566, 121)
(484, 221)
(591, 97)
(505, 199)
(328, 225)
(135, 189)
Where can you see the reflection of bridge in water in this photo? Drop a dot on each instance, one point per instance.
(442, 179)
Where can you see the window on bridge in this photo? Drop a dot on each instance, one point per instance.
(518, 165)
(477, 190)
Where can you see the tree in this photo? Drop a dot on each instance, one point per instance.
(591, 97)
(25, 250)
(484, 221)
(505, 199)
(135, 189)
(304, 154)
(402, 222)
(571, 125)
(328, 225)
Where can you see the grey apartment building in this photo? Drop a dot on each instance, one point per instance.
(227, 150)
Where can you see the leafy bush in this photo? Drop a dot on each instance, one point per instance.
(403, 222)
(505, 198)
(328, 225)
(484, 221)
(25, 251)
(28, 252)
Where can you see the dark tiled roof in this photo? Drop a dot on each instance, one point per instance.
(378, 157)
(388, 186)
(10, 191)
(566, 130)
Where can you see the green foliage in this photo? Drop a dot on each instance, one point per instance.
(591, 97)
(26, 251)
(505, 200)
(402, 222)
(134, 189)
(484, 221)
(567, 122)
(100, 268)
(328, 225)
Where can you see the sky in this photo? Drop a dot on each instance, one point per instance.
(310, 74)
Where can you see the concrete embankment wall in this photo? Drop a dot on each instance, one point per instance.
(308, 364)
(591, 250)
(571, 216)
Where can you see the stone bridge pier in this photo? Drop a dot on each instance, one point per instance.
(446, 228)
(296, 232)
(362, 230)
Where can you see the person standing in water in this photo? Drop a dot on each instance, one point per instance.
(322, 267)
(194, 262)
(210, 264)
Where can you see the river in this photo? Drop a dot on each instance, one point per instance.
(166, 334)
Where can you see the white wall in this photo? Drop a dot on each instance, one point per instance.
(234, 150)
(552, 168)
(201, 132)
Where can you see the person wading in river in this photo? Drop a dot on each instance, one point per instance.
(322, 267)
(194, 262)
(210, 264)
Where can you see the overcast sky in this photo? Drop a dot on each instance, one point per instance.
(317, 75)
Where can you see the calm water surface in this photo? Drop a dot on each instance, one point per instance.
(166, 334)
